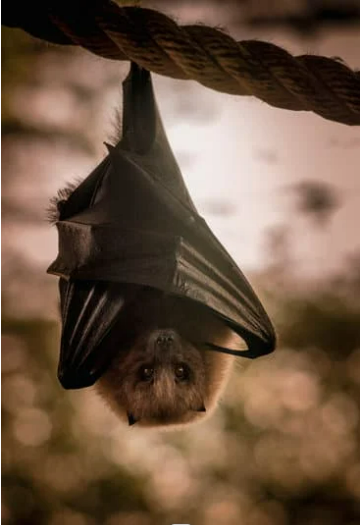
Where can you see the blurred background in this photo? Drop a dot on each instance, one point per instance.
(281, 190)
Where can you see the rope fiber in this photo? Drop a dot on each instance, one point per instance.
(325, 86)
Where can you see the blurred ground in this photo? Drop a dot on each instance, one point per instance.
(281, 191)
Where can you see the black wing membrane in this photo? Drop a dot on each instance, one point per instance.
(132, 221)
(89, 310)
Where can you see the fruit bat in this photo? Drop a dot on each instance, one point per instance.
(152, 306)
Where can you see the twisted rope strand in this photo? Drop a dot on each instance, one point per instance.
(309, 83)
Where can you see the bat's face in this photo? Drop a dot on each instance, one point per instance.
(161, 379)
(164, 376)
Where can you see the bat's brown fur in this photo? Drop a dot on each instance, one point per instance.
(168, 333)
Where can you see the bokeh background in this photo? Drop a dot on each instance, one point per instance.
(282, 192)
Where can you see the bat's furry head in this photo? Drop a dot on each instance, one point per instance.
(165, 376)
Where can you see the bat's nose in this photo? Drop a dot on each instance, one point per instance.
(165, 338)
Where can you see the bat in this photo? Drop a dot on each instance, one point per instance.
(163, 374)
(152, 306)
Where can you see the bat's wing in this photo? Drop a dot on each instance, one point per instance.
(89, 310)
(132, 221)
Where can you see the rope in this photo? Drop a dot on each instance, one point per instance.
(323, 85)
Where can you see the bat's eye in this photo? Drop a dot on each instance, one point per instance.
(146, 373)
(182, 372)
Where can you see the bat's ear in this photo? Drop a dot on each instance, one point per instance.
(131, 419)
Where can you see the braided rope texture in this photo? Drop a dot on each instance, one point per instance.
(323, 85)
